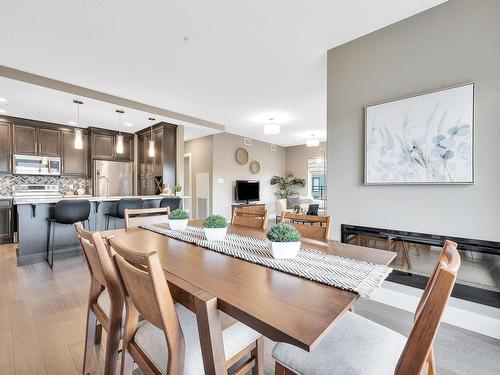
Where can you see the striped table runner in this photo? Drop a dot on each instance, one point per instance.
(344, 273)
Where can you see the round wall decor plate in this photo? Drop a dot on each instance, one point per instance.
(255, 167)
(241, 156)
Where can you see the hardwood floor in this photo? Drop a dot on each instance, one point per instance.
(42, 323)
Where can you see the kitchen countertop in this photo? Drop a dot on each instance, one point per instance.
(48, 200)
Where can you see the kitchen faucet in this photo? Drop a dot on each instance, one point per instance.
(107, 184)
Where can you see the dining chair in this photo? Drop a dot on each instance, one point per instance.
(167, 340)
(309, 226)
(249, 218)
(356, 345)
(105, 302)
(143, 216)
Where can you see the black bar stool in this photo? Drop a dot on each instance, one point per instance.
(67, 212)
(173, 203)
(121, 206)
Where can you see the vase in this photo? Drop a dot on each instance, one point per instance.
(284, 250)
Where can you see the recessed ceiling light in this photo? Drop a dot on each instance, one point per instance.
(3, 100)
(128, 124)
(3, 111)
(72, 123)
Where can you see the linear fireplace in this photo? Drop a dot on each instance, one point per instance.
(479, 276)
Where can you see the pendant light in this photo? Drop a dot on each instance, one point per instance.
(271, 128)
(119, 137)
(151, 149)
(78, 132)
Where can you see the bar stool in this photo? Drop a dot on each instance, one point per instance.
(172, 203)
(122, 205)
(67, 212)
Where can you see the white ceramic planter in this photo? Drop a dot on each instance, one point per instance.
(284, 250)
(215, 234)
(178, 193)
(178, 224)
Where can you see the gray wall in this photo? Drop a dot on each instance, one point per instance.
(201, 161)
(453, 43)
(226, 167)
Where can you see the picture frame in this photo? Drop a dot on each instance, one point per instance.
(425, 138)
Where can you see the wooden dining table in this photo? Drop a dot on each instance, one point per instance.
(278, 305)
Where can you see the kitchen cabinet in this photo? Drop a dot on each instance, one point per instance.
(5, 221)
(5, 149)
(104, 145)
(25, 140)
(160, 169)
(33, 140)
(49, 142)
(74, 161)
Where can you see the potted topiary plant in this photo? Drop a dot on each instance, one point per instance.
(178, 190)
(284, 241)
(178, 219)
(215, 227)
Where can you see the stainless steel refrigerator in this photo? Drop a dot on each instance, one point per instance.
(115, 174)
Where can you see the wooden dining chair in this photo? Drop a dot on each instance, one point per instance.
(249, 218)
(309, 226)
(105, 302)
(144, 216)
(167, 340)
(356, 345)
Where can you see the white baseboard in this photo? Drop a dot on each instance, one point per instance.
(464, 314)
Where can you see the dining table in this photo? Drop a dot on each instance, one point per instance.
(280, 306)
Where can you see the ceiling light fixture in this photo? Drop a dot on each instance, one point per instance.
(119, 137)
(312, 142)
(3, 111)
(3, 100)
(78, 132)
(271, 128)
(128, 124)
(151, 149)
(72, 123)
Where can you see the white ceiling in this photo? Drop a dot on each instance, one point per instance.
(243, 62)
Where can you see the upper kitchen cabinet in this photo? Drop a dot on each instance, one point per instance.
(74, 161)
(5, 149)
(49, 142)
(35, 140)
(103, 145)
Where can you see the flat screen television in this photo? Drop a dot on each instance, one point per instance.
(247, 191)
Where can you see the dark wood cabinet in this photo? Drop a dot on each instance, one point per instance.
(25, 140)
(161, 168)
(5, 221)
(74, 161)
(103, 146)
(34, 140)
(49, 142)
(5, 149)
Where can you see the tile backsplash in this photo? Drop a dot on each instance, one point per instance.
(64, 183)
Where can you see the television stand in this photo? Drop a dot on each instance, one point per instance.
(258, 206)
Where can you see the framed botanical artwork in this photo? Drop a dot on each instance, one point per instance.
(421, 139)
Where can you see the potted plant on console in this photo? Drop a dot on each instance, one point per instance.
(284, 241)
(215, 227)
(178, 219)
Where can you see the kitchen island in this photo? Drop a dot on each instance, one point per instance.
(32, 216)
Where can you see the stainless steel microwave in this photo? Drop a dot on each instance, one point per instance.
(37, 165)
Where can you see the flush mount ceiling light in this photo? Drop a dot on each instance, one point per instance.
(3, 111)
(271, 128)
(119, 137)
(128, 124)
(78, 132)
(151, 149)
(3, 100)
